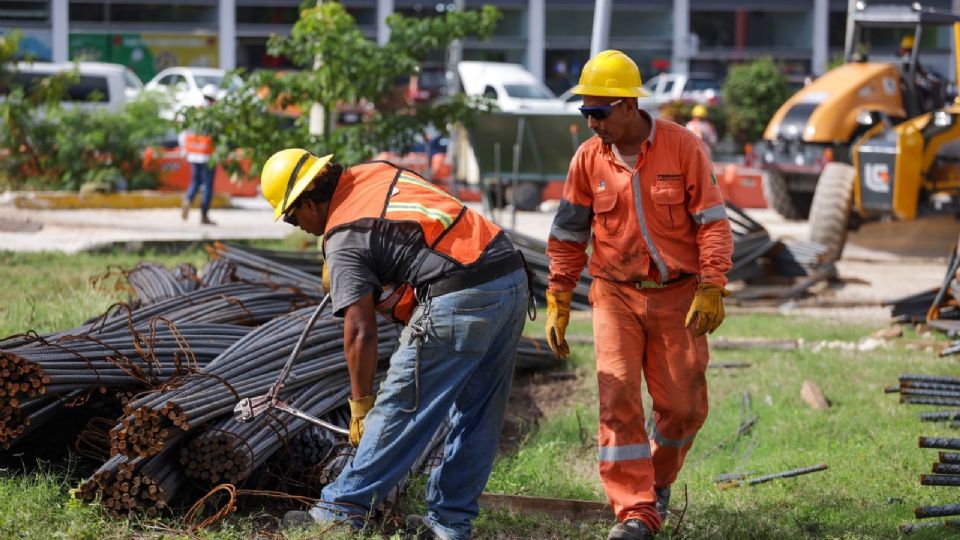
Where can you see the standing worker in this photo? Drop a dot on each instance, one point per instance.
(661, 249)
(197, 147)
(397, 244)
(703, 128)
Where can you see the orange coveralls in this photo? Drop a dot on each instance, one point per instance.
(662, 223)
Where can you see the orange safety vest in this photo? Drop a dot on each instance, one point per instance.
(198, 144)
(381, 190)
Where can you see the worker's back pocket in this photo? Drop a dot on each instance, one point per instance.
(668, 204)
(474, 325)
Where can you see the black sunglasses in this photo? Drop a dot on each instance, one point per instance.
(599, 112)
(291, 217)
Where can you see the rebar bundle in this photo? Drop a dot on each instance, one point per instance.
(230, 450)
(254, 267)
(247, 369)
(126, 487)
(35, 376)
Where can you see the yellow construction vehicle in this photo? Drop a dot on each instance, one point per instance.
(873, 138)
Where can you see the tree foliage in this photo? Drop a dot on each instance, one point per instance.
(752, 93)
(47, 146)
(339, 66)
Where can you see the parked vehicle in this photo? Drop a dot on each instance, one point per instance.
(100, 85)
(510, 86)
(184, 86)
(665, 88)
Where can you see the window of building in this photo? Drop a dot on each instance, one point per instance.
(713, 28)
(36, 10)
(646, 24)
(770, 29)
(267, 14)
(569, 22)
(88, 12)
(163, 13)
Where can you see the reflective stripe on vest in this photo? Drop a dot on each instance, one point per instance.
(385, 191)
(198, 144)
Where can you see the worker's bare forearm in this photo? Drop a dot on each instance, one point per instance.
(360, 346)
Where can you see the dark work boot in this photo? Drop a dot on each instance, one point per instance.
(663, 501)
(297, 518)
(205, 220)
(631, 529)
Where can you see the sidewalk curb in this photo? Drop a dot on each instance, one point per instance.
(127, 200)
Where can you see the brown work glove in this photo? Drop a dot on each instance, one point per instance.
(325, 277)
(558, 317)
(706, 310)
(358, 411)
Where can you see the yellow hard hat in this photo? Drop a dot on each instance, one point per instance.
(612, 74)
(699, 111)
(286, 174)
(907, 42)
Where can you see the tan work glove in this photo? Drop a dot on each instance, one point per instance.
(706, 309)
(558, 317)
(325, 278)
(358, 411)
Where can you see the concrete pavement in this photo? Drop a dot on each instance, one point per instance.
(871, 273)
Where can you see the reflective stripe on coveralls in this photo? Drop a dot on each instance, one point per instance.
(681, 228)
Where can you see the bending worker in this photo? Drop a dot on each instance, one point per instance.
(661, 247)
(397, 244)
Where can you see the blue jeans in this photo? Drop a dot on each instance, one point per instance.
(465, 370)
(201, 174)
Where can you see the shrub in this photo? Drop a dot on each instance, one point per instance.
(752, 93)
(45, 146)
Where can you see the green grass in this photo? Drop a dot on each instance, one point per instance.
(867, 438)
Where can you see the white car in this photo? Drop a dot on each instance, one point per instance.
(100, 85)
(184, 86)
(510, 86)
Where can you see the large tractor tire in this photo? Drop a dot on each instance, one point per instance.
(789, 204)
(830, 212)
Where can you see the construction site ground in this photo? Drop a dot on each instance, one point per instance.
(881, 261)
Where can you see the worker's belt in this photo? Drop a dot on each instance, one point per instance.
(649, 284)
(476, 275)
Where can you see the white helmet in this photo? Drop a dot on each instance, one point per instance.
(210, 91)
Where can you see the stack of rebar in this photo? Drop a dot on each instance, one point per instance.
(35, 376)
(247, 369)
(941, 391)
(255, 267)
(230, 451)
(127, 487)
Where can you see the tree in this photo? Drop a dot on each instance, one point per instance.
(352, 70)
(752, 93)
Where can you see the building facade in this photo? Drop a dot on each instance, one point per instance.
(552, 38)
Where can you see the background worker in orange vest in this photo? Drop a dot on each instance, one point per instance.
(661, 249)
(701, 127)
(197, 148)
(397, 244)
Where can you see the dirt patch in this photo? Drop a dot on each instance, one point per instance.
(536, 396)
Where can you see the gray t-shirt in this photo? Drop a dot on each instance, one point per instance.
(373, 255)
